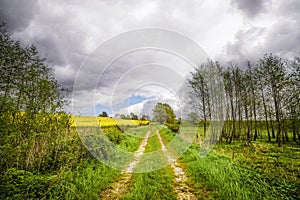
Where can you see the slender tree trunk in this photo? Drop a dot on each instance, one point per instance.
(255, 120)
(247, 125)
(293, 125)
(272, 128)
(233, 121)
(276, 103)
(204, 115)
(265, 111)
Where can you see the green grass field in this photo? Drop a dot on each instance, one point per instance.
(261, 170)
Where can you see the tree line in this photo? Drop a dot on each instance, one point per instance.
(261, 98)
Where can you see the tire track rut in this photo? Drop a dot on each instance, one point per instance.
(181, 188)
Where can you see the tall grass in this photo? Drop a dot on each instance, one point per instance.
(68, 170)
(239, 175)
(229, 180)
(83, 182)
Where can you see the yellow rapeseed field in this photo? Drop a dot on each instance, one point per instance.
(105, 121)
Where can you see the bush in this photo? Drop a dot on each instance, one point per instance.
(114, 134)
(21, 184)
(173, 127)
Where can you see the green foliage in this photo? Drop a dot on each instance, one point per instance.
(130, 143)
(193, 118)
(167, 135)
(133, 138)
(114, 134)
(31, 101)
(265, 157)
(103, 114)
(37, 144)
(228, 179)
(83, 182)
(173, 127)
(145, 117)
(133, 116)
(153, 144)
(21, 184)
(249, 94)
(163, 113)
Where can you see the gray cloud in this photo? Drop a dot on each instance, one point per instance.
(66, 32)
(18, 14)
(247, 45)
(279, 35)
(251, 8)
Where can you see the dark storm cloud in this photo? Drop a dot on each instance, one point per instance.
(251, 8)
(281, 36)
(18, 14)
(66, 32)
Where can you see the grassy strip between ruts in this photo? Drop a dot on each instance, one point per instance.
(153, 144)
(152, 185)
(155, 184)
(230, 179)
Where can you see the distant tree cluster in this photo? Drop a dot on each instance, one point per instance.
(103, 114)
(132, 116)
(163, 113)
(259, 98)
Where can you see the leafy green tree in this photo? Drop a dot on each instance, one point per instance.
(193, 118)
(200, 98)
(292, 98)
(272, 69)
(31, 106)
(103, 114)
(133, 116)
(163, 113)
(145, 117)
(122, 116)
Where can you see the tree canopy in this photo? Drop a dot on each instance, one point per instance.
(265, 95)
(163, 113)
(103, 114)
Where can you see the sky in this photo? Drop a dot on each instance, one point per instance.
(94, 46)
